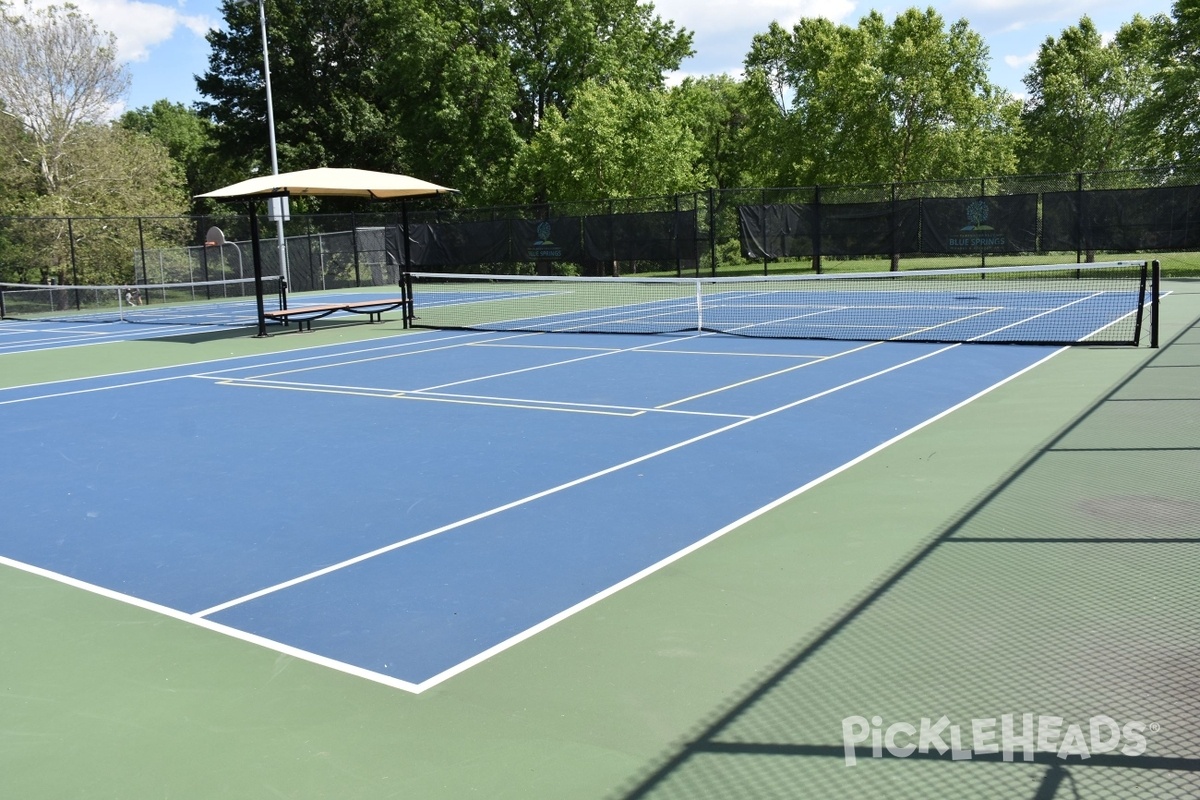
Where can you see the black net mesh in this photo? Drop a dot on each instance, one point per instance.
(1047, 305)
(230, 303)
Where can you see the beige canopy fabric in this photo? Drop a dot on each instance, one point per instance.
(330, 182)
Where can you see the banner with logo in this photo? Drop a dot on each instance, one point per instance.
(1005, 224)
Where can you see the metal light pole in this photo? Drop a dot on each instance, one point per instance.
(277, 204)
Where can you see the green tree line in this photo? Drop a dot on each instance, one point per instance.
(516, 101)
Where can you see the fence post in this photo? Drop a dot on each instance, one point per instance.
(675, 237)
(983, 199)
(712, 233)
(74, 266)
(1078, 217)
(895, 265)
(354, 245)
(142, 251)
(817, 229)
(763, 217)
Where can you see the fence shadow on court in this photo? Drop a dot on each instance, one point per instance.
(1069, 590)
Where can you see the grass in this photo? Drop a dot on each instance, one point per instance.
(1174, 265)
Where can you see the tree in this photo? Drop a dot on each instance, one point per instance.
(557, 46)
(880, 102)
(325, 57)
(58, 72)
(449, 89)
(61, 158)
(619, 141)
(1171, 115)
(450, 92)
(190, 141)
(1084, 98)
(716, 109)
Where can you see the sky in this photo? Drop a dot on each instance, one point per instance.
(164, 47)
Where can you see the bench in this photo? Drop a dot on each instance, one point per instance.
(305, 315)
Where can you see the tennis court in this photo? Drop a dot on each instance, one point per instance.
(441, 511)
(507, 450)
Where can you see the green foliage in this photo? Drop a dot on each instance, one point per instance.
(325, 57)
(716, 111)
(107, 173)
(1084, 96)
(878, 102)
(59, 157)
(450, 93)
(618, 142)
(189, 140)
(557, 46)
(1169, 117)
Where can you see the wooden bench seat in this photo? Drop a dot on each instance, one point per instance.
(304, 315)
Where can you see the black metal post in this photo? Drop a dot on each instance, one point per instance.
(142, 250)
(407, 266)
(256, 257)
(1155, 286)
(354, 243)
(983, 199)
(1078, 217)
(712, 232)
(74, 265)
(817, 229)
(675, 227)
(763, 200)
(895, 261)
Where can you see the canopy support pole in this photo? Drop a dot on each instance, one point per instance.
(256, 257)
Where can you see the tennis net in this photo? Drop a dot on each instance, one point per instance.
(229, 303)
(1061, 304)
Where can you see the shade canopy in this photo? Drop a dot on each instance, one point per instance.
(330, 182)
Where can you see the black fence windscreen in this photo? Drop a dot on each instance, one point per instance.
(795, 230)
(1166, 218)
(650, 236)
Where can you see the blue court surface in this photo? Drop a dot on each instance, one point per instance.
(155, 322)
(403, 508)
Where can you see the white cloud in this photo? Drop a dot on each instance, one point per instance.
(1017, 62)
(716, 16)
(139, 26)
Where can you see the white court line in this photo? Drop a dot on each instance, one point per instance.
(516, 639)
(417, 688)
(469, 399)
(432, 393)
(559, 488)
(774, 374)
(225, 359)
(217, 627)
(386, 356)
(1035, 316)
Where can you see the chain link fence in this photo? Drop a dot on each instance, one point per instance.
(871, 227)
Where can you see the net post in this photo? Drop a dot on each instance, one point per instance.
(699, 308)
(1155, 282)
(406, 294)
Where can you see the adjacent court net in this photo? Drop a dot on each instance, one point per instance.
(1062, 304)
(229, 303)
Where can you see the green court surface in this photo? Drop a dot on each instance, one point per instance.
(1033, 552)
